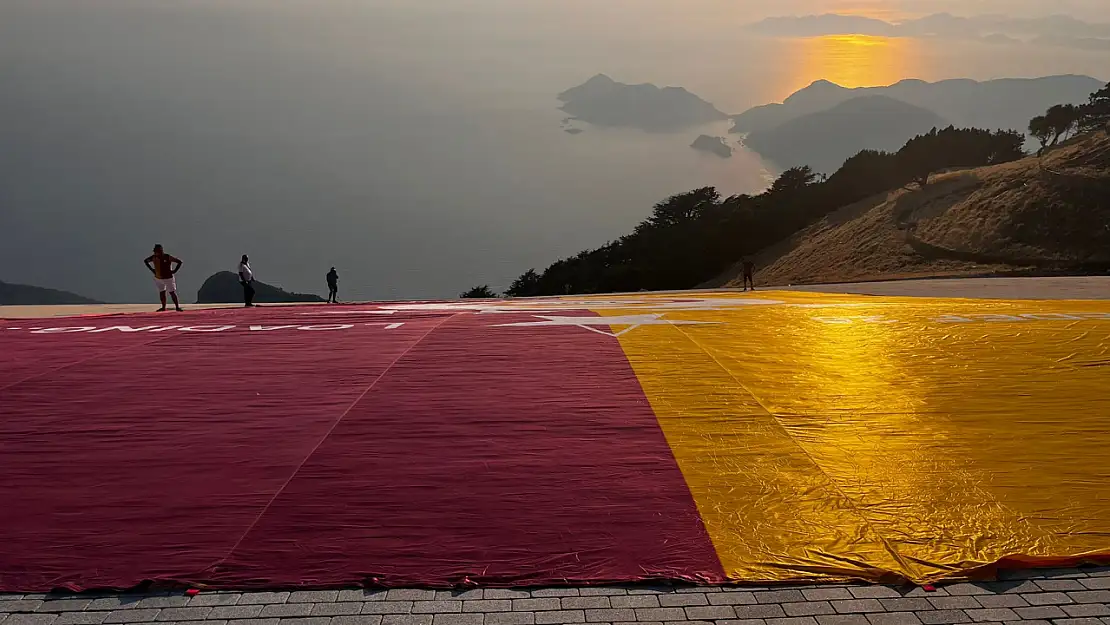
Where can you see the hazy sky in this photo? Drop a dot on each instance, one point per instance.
(414, 144)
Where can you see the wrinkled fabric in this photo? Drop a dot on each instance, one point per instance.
(703, 437)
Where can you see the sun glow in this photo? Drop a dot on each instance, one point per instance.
(852, 61)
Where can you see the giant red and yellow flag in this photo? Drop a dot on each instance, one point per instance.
(706, 437)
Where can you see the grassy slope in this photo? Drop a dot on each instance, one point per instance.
(1034, 214)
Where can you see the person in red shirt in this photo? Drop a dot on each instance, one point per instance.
(162, 266)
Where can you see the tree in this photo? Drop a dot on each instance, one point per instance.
(794, 179)
(527, 285)
(1040, 130)
(479, 292)
(1096, 113)
(1062, 119)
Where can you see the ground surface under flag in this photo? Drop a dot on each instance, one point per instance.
(778, 436)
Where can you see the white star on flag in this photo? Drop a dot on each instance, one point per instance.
(587, 323)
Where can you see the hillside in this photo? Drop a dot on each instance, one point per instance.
(1033, 215)
(824, 140)
(224, 287)
(27, 295)
(994, 104)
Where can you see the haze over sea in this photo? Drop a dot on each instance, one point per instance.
(413, 144)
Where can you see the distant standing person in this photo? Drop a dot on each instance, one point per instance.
(162, 266)
(246, 278)
(749, 273)
(333, 287)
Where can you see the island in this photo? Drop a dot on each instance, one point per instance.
(713, 145)
(224, 288)
(602, 101)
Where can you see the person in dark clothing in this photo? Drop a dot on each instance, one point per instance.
(333, 286)
(246, 278)
(161, 265)
(749, 273)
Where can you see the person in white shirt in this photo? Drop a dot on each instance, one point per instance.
(246, 278)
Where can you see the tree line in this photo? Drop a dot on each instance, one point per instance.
(1062, 120)
(695, 236)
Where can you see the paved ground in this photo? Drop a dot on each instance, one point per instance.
(1059, 597)
(1097, 287)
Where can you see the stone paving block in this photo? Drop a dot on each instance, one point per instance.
(683, 600)
(1078, 621)
(606, 591)
(391, 607)
(183, 614)
(552, 603)
(235, 611)
(907, 604)
(252, 598)
(746, 621)
(710, 612)
(958, 590)
(849, 606)
(1012, 587)
(163, 601)
(742, 597)
(510, 618)
(792, 620)
(560, 617)
(826, 594)
(455, 619)
(943, 617)
(81, 618)
(1001, 601)
(843, 619)
(135, 615)
(808, 608)
(413, 594)
(1040, 612)
(22, 605)
(1041, 573)
(314, 620)
(1033, 622)
(368, 594)
(31, 619)
(954, 603)
(256, 621)
(213, 599)
(992, 614)
(403, 619)
(499, 605)
(766, 610)
(874, 592)
(1060, 585)
(660, 614)
(637, 601)
(1046, 598)
(584, 603)
(1096, 583)
(508, 593)
(544, 593)
(312, 596)
(893, 618)
(64, 605)
(608, 615)
(439, 605)
(364, 619)
(1090, 596)
(119, 602)
(341, 608)
(287, 610)
(918, 591)
(779, 596)
(1079, 610)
